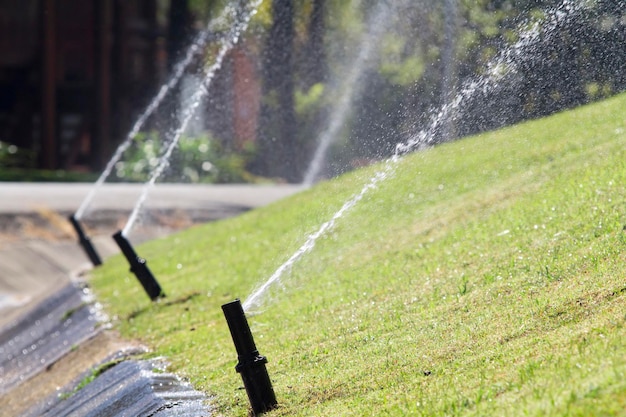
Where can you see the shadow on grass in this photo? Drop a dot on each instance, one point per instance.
(180, 300)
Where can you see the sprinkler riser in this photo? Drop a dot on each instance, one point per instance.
(85, 243)
(139, 267)
(251, 364)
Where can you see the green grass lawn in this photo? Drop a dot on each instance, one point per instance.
(485, 277)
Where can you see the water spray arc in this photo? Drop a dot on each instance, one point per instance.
(377, 25)
(504, 63)
(227, 43)
(251, 365)
(179, 70)
(255, 299)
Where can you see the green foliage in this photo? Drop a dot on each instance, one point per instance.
(484, 277)
(12, 156)
(263, 16)
(17, 164)
(197, 159)
(596, 91)
(398, 66)
(310, 101)
(404, 73)
(41, 175)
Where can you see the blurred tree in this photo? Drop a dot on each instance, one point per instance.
(575, 61)
(429, 51)
(178, 37)
(314, 50)
(180, 28)
(278, 117)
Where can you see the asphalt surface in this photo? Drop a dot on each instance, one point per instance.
(52, 332)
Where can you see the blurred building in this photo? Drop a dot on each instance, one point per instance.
(74, 74)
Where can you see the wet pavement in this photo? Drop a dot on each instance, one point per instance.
(129, 388)
(45, 334)
(54, 338)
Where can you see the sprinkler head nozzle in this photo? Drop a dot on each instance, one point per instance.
(139, 267)
(85, 243)
(251, 364)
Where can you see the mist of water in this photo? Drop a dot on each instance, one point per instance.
(377, 24)
(179, 69)
(226, 44)
(505, 63)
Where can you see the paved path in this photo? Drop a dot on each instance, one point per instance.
(26, 197)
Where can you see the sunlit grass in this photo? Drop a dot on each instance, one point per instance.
(485, 277)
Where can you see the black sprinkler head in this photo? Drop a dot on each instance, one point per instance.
(84, 241)
(251, 364)
(139, 268)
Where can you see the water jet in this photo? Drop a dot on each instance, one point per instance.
(251, 364)
(228, 41)
(139, 267)
(207, 35)
(85, 242)
(506, 62)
